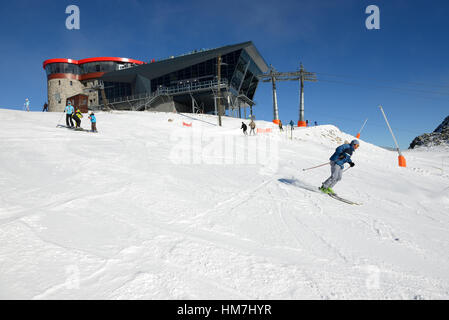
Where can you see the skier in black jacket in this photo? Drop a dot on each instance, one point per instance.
(77, 117)
(244, 127)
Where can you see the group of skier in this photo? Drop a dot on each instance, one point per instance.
(252, 125)
(75, 114)
(341, 155)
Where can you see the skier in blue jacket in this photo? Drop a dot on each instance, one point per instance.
(93, 122)
(68, 114)
(341, 156)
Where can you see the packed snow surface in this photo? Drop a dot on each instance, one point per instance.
(149, 208)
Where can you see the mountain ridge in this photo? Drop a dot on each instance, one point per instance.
(440, 136)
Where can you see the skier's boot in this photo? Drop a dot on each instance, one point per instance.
(330, 191)
(323, 189)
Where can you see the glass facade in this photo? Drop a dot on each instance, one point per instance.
(244, 80)
(238, 69)
(90, 67)
(114, 90)
(203, 71)
(102, 66)
(62, 67)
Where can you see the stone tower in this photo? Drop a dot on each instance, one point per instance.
(68, 77)
(61, 89)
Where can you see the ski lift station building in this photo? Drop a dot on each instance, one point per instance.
(185, 83)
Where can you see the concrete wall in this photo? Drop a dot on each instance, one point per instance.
(93, 98)
(163, 104)
(165, 107)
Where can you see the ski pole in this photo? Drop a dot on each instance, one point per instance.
(316, 166)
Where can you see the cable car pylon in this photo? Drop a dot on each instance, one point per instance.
(302, 75)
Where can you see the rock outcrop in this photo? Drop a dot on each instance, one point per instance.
(438, 137)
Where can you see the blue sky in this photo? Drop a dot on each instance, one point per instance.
(404, 66)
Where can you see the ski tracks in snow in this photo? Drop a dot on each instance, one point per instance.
(16, 215)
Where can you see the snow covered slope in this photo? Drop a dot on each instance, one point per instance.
(151, 209)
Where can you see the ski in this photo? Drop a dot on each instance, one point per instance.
(299, 184)
(63, 126)
(302, 185)
(333, 195)
(85, 130)
(336, 197)
(75, 129)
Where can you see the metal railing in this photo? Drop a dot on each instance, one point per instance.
(147, 97)
(180, 88)
(193, 86)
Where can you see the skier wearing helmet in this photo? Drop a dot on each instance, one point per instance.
(77, 117)
(341, 156)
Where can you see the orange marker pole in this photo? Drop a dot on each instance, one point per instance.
(358, 134)
(401, 159)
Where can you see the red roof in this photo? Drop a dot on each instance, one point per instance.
(99, 59)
